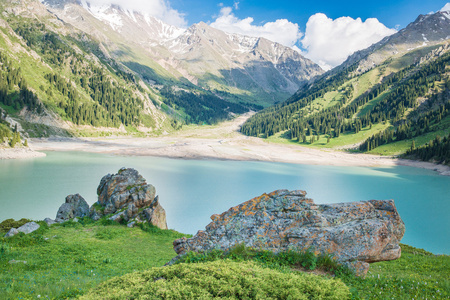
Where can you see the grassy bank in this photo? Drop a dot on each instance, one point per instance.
(74, 259)
(64, 261)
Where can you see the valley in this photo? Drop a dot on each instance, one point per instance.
(97, 96)
(101, 78)
(223, 142)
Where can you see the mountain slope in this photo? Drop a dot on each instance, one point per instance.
(254, 70)
(379, 100)
(50, 77)
(56, 80)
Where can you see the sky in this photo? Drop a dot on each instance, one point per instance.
(324, 31)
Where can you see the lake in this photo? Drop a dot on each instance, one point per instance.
(192, 190)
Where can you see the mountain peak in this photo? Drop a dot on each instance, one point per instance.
(209, 58)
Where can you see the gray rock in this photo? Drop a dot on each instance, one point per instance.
(131, 224)
(13, 261)
(49, 221)
(75, 206)
(355, 233)
(29, 227)
(127, 192)
(11, 232)
(95, 214)
(117, 217)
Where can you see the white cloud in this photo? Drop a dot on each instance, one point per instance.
(281, 31)
(329, 42)
(158, 8)
(446, 7)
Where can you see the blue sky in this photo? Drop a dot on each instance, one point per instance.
(325, 31)
(390, 13)
(311, 27)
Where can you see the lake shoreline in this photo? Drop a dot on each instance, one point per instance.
(219, 142)
(19, 153)
(243, 149)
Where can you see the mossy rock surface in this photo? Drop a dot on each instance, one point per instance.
(219, 279)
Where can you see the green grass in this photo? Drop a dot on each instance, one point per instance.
(418, 274)
(400, 147)
(328, 100)
(72, 259)
(338, 142)
(371, 104)
(410, 58)
(76, 258)
(365, 82)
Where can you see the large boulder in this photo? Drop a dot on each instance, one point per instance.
(354, 233)
(127, 197)
(75, 207)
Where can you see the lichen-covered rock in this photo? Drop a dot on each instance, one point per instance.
(127, 196)
(75, 207)
(355, 233)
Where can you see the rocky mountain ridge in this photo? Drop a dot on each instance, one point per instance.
(205, 56)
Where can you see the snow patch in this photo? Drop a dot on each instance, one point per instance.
(446, 14)
(104, 13)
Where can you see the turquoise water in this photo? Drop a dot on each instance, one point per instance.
(192, 190)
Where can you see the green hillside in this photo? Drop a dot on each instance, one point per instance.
(51, 70)
(91, 259)
(381, 111)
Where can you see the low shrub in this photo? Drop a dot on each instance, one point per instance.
(290, 258)
(7, 224)
(147, 227)
(219, 279)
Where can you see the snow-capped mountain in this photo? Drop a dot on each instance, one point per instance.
(254, 68)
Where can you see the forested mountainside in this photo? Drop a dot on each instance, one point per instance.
(56, 78)
(399, 103)
(52, 76)
(235, 67)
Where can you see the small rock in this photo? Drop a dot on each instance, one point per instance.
(13, 261)
(11, 232)
(75, 206)
(75, 219)
(49, 221)
(131, 224)
(117, 217)
(29, 227)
